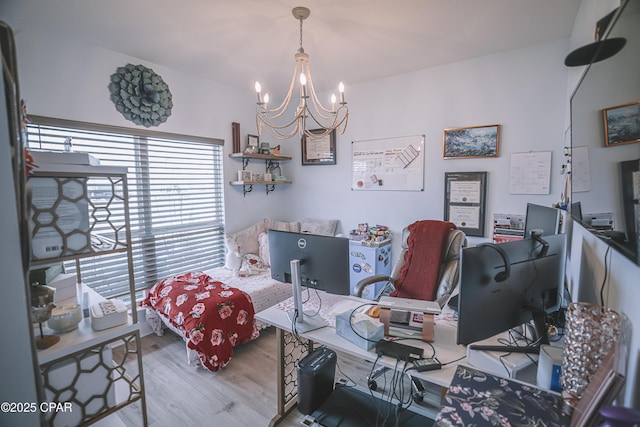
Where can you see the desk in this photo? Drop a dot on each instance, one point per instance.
(289, 350)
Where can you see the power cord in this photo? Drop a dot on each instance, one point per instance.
(606, 274)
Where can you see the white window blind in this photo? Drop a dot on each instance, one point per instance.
(176, 199)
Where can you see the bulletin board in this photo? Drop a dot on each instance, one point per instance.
(530, 173)
(392, 164)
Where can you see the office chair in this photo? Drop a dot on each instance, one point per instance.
(428, 266)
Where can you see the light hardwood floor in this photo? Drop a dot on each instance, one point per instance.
(242, 394)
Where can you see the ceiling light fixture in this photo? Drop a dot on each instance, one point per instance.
(310, 114)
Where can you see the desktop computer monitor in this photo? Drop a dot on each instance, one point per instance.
(311, 261)
(544, 220)
(503, 286)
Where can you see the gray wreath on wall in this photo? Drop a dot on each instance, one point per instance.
(141, 95)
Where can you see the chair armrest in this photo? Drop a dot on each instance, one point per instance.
(359, 288)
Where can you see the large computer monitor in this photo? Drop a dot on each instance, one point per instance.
(543, 219)
(311, 261)
(503, 286)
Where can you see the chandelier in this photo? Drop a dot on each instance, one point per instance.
(311, 117)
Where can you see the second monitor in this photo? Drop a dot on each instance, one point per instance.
(506, 285)
(543, 219)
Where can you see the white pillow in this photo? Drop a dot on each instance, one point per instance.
(243, 242)
(271, 224)
(233, 261)
(325, 227)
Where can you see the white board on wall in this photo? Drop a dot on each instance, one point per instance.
(388, 164)
(530, 173)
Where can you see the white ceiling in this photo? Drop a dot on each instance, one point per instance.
(236, 42)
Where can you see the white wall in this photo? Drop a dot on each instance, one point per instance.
(522, 90)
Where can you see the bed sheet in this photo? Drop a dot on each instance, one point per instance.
(263, 290)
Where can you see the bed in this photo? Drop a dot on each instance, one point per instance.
(260, 290)
(230, 295)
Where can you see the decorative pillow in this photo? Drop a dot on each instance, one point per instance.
(271, 224)
(264, 249)
(244, 241)
(325, 227)
(251, 264)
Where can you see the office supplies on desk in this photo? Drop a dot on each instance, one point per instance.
(409, 304)
(398, 351)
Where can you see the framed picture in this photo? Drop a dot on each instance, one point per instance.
(253, 141)
(245, 175)
(319, 149)
(475, 141)
(621, 124)
(465, 201)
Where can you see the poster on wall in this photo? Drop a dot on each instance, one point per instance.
(393, 164)
(530, 173)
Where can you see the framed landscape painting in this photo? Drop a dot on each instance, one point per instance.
(475, 141)
(621, 124)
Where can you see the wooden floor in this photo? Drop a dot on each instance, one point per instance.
(242, 394)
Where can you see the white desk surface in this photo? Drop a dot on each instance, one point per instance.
(445, 344)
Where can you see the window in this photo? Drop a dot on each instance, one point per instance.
(176, 199)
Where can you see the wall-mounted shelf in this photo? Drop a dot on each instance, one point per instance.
(247, 186)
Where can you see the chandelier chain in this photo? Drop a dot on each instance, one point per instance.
(301, 50)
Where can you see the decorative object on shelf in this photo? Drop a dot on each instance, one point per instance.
(318, 149)
(267, 177)
(245, 175)
(108, 314)
(276, 171)
(621, 124)
(253, 141)
(235, 136)
(474, 141)
(41, 307)
(275, 151)
(141, 95)
(325, 118)
(264, 148)
(257, 176)
(591, 331)
(251, 149)
(65, 318)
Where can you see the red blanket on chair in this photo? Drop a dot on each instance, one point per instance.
(422, 261)
(212, 316)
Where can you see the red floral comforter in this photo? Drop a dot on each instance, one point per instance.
(214, 317)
